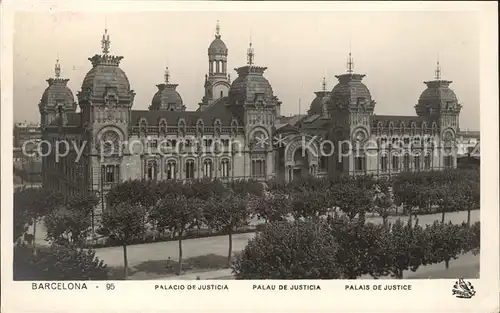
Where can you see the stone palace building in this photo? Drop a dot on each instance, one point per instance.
(237, 132)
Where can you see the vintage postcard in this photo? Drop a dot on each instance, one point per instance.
(249, 157)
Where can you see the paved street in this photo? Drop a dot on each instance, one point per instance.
(467, 266)
(137, 254)
(219, 245)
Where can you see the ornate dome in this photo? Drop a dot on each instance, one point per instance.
(167, 98)
(217, 46)
(105, 73)
(351, 87)
(317, 104)
(437, 97)
(249, 84)
(58, 93)
(438, 91)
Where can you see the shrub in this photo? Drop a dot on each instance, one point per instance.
(299, 250)
(57, 263)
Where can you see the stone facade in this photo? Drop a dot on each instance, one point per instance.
(236, 133)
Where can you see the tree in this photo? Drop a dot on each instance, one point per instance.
(123, 222)
(468, 196)
(352, 197)
(227, 213)
(361, 247)
(299, 250)
(383, 200)
(472, 238)
(309, 203)
(143, 192)
(22, 218)
(178, 214)
(405, 248)
(58, 263)
(205, 188)
(71, 223)
(247, 187)
(272, 207)
(34, 203)
(446, 242)
(446, 195)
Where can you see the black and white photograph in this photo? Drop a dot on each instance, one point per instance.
(221, 145)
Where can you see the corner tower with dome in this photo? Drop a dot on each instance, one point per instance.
(217, 81)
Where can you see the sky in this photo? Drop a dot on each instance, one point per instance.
(396, 50)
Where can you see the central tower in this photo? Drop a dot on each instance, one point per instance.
(217, 81)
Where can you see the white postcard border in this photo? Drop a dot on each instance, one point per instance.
(140, 296)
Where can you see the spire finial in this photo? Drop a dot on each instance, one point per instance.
(324, 84)
(105, 42)
(167, 75)
(217, 30)
(250, 53)
(438, 69)
(350, 62)
(57, 68)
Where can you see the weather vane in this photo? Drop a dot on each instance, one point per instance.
(250, 53)
(167, 75)
(105, 42)
(57, 68)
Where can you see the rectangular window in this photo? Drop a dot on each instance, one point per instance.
(110, 173)
(258, 168)
(359, 163)
(153, 143)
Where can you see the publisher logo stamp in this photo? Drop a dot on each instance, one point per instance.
(463, 289)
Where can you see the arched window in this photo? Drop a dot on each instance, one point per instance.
(189, 169)
(383, 163)
(171, 169)
(151, 170)
(221, 93)
(406, 162)
(207, 168)
(224, 168)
